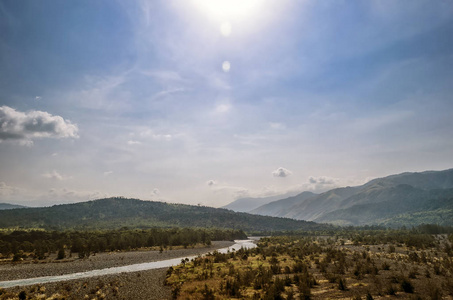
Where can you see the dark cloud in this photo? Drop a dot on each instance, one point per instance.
(281, 172)
(322, 180)
(26, 126)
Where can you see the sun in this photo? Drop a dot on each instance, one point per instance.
(224, 10)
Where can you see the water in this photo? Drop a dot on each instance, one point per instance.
(116, 270)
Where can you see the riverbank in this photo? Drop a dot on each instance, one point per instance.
(135, 285)
(12, 271)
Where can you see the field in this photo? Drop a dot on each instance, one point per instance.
(352, 263)
(361, 266)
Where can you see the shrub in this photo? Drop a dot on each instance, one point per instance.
(61, 253)
(391, 290)
(342, 284)
(22, 295)
(407, 286)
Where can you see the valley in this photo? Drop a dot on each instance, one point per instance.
(399, 247)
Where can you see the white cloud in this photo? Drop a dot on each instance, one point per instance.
(107, 173)
(55, 175)
(227, 192)
(66, 195)
(26, 126)
(156, 192)
(223, 108)
(132, 142)
(155, 136)
(281, 172)
(6, 190)
(277, 126)
(38, 98)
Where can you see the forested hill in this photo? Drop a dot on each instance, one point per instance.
(115, 213)
(10, 206)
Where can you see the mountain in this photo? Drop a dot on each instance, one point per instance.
(113, 213)
(279, 208)
(248, 204)
(10, 206)
(396, 200)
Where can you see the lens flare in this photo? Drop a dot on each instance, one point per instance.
(226, 66)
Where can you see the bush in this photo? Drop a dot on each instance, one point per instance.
(407, 286)
(22, 295)
(391, 290)
(342, 284)
(61, 253)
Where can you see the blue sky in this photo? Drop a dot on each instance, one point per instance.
(108, 98)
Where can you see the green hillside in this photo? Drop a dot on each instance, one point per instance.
(115, 213)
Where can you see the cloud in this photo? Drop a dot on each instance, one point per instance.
(155, 136)
(322, 180)
(38, 98)
(211, 182)
(131, 142)
(156, 192)
(230, 191)
(26, 126)
(164, 75)
(281, 172)
(66, 195)
(55, 175)
(107, 173)
(223, 108)
(167, 92)
(6, 190)
(277, 126)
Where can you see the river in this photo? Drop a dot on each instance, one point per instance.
(116, 270)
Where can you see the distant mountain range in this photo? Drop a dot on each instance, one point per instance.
(115, 213)
(9, 206)
(397, 200)
(249, 204)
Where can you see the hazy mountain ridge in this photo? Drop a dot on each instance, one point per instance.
(4, 206)
(280, 207)
(250, 203)
(113, 213)
(402, 199)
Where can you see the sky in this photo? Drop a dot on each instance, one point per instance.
(207, 101)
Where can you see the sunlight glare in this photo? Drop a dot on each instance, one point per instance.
(226, 66)
(227, 9)
(225, 28)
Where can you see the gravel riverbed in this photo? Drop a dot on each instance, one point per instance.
(135, 285)
(12, 271)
